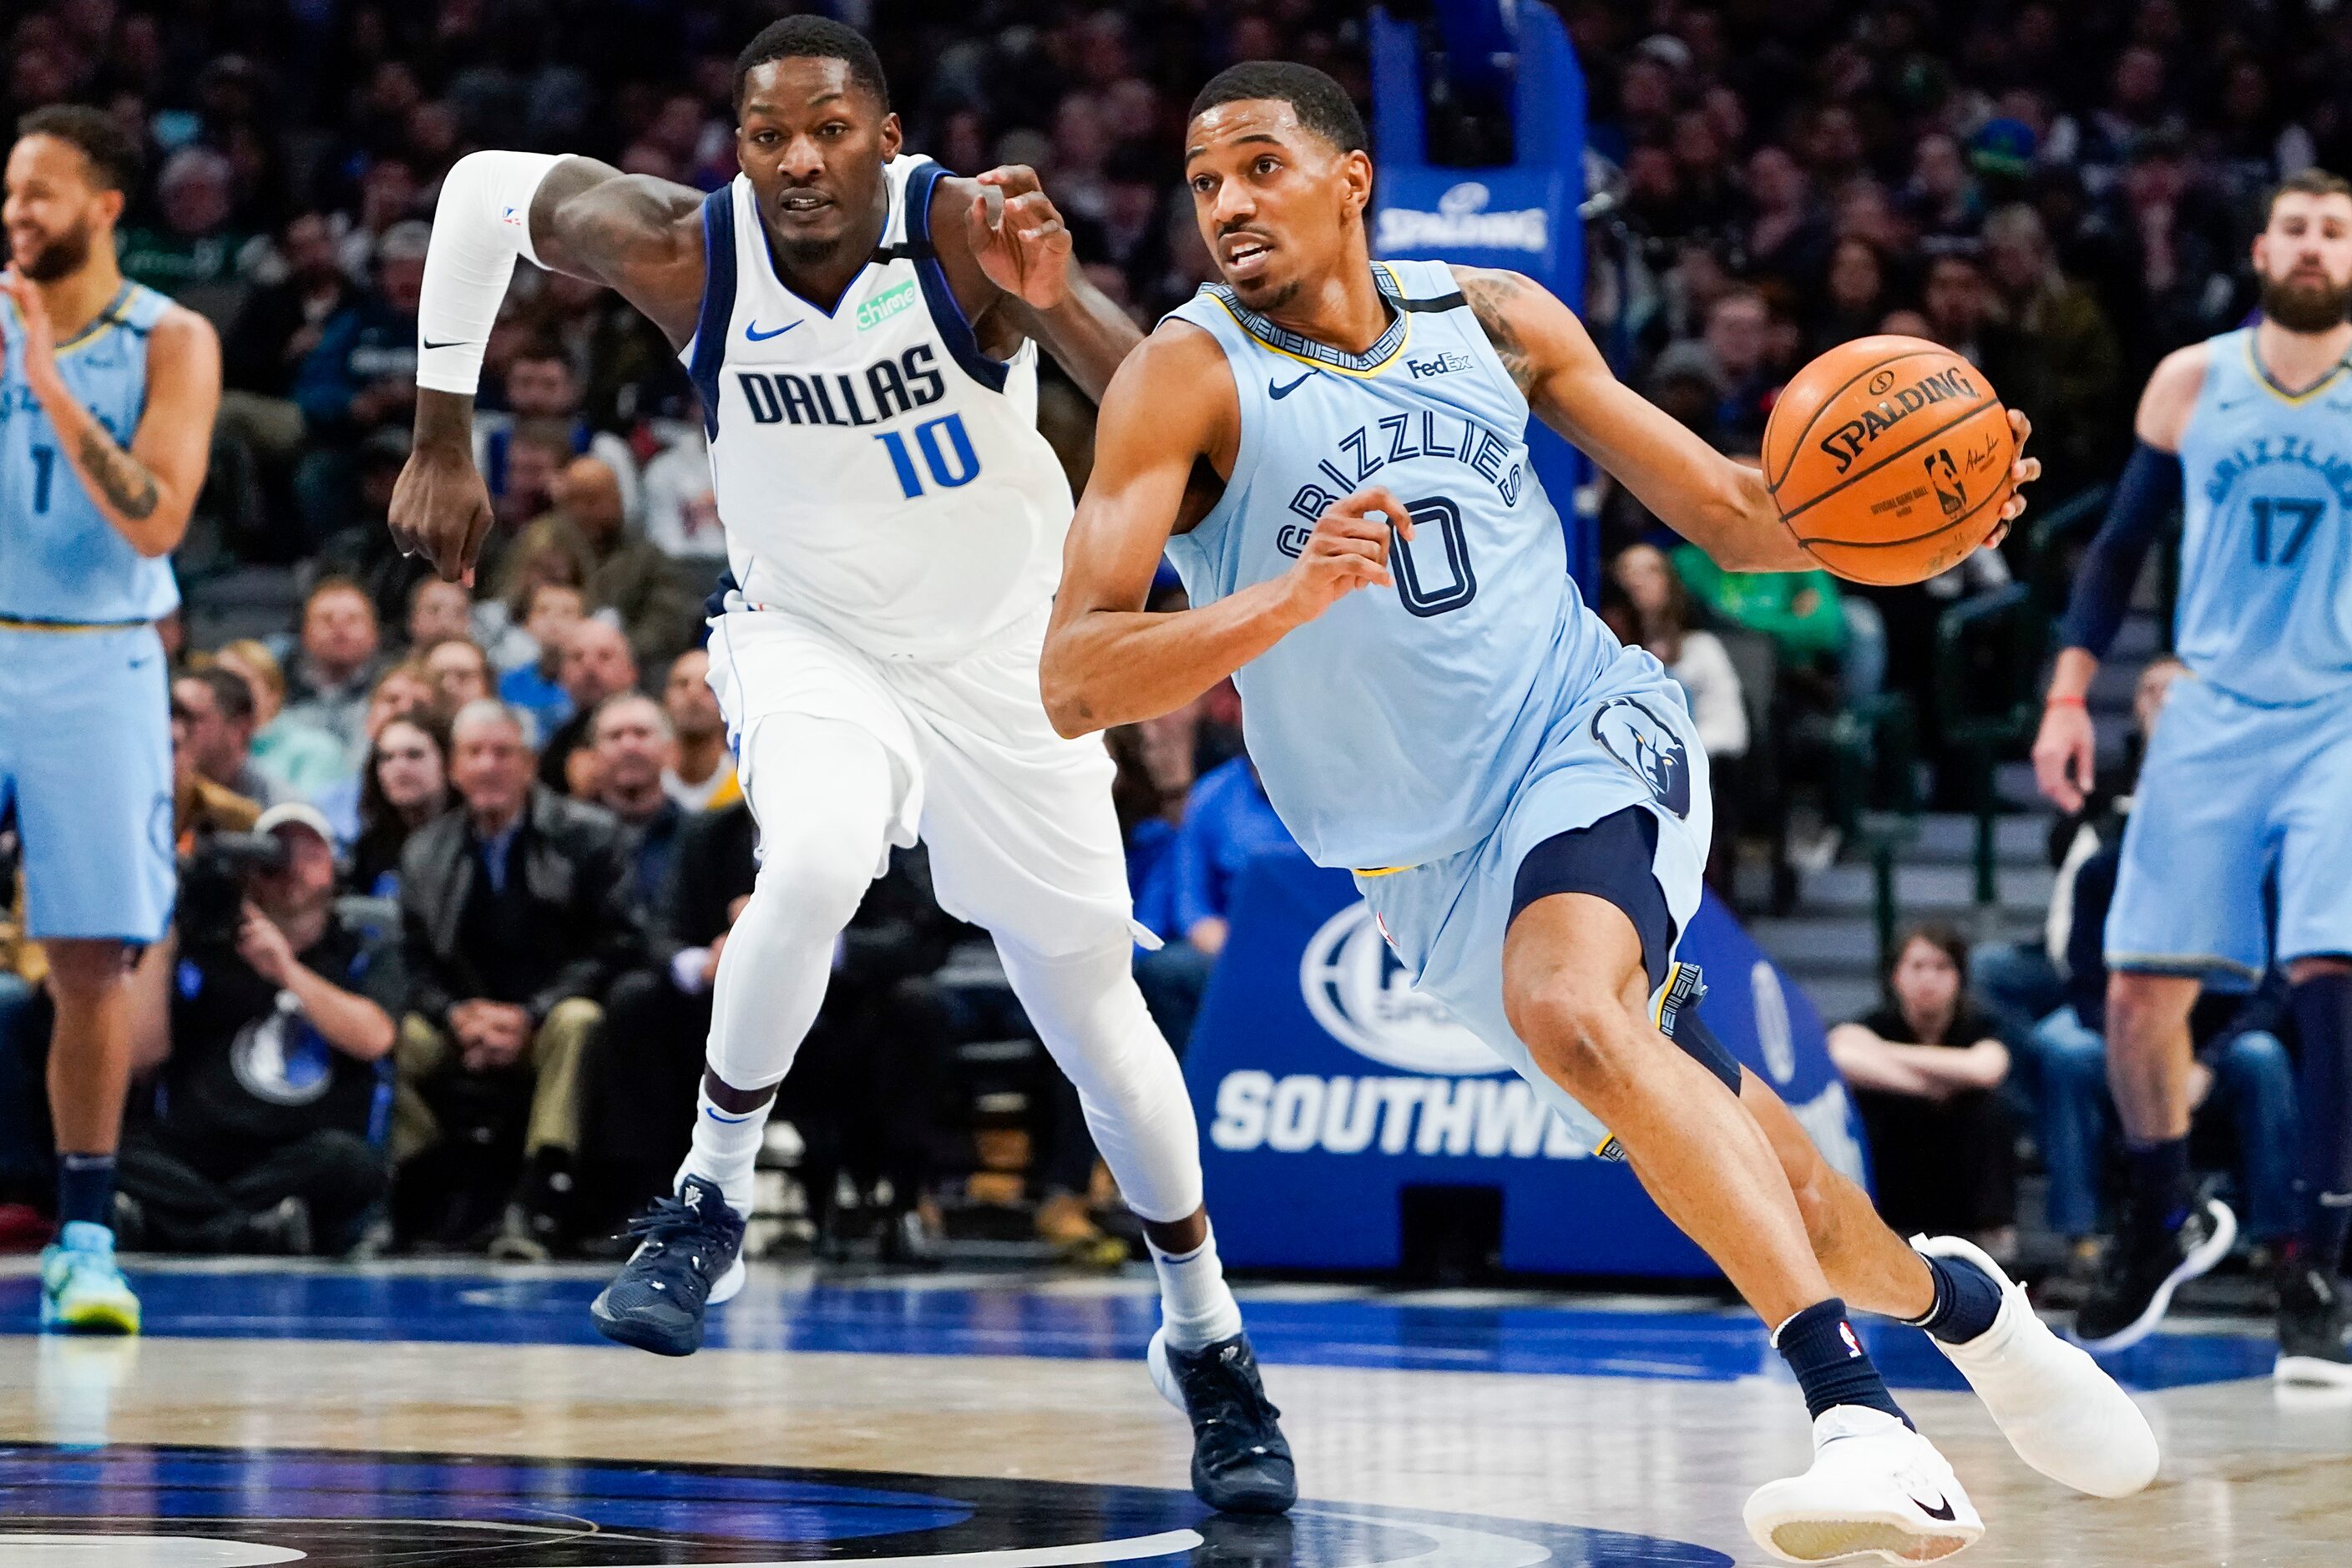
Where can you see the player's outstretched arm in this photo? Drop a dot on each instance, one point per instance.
(147, 489)
(638, 236)
(1014, 240)
(1719, 505)
(2065, 751)
(1108, 661)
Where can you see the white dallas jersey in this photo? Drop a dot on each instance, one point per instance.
(875, 473)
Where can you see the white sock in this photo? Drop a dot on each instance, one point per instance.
(725, 1149)
(1196, 1307)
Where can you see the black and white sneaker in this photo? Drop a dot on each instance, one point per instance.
(689, 1258)
(2315, 1330)
(2142, 1269)
(1241, 1461)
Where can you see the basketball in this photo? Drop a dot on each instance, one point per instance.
(1889, 459)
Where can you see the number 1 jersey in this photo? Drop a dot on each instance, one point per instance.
(2265, 601)
(1396, 727)
(877, 474)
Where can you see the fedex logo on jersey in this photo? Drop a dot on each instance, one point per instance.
(1367, 449)
(1445, 363)
(887, 387)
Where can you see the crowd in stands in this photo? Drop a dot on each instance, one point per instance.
(525, 785)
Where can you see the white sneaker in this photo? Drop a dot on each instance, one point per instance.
(2062, 1412)
(1876, 1487)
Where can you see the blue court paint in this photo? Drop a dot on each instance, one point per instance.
(402, 1510)
(884, 1319)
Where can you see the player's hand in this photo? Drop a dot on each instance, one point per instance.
(1018, 237)
(2065, 754)
(441, 508)
(2022, 471)
(263, 946)
(39, 337)
(1349, 549)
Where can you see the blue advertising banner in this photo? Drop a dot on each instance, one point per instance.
(1327, 1086)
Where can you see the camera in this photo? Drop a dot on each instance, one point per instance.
(212, 880)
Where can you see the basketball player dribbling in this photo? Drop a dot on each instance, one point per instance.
(2242, 814)
(862, 337)
(1429, 702)
(107, 396)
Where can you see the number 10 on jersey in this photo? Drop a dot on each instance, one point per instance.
(945, 449)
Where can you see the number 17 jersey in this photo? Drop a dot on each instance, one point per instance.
(1395, 727)
(2264, 610)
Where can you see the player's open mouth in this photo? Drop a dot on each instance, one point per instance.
(1245, 255)
(802, 201)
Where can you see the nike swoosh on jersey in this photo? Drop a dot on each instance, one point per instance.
(1279, 392)
(752, 331)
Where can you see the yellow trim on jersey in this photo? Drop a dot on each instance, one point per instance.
(11, 624)
(1366, 372)
(2262, 378)
(1381, 870)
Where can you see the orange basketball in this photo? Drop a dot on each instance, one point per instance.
(1889, 459)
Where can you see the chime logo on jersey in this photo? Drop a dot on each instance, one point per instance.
(884, 389)
(1649, 749)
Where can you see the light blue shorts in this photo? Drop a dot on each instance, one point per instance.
(86, 770)
(1632, 746)
(2234, 799)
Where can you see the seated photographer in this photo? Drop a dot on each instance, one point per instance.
(277, 1022)
(516, 917)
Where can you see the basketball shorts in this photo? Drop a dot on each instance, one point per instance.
(2236, 801)
(86, 773)
(1018, 820)
(1631, 746)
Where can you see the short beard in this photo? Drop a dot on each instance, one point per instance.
(2304, 308)
(1273, 299)
(61, 257)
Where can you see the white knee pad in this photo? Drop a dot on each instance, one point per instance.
(1086, 1009)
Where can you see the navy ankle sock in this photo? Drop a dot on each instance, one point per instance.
(1831, 1367)
(86, 1189)
(2322, 1016)
(2159, 1181)
(1967, 1301)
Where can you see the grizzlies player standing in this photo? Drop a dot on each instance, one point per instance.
(2248, 785)
(107, 395)
(1524, 802)
(865, 340)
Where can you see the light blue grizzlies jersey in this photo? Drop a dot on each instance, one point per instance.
(60, 559)
(2265, 601)
(1392, 728)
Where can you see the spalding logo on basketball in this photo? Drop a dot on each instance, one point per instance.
(1649, 750)
(1360, 993)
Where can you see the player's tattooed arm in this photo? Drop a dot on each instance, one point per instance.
(145, 489)
(637, 235)
(1716, 503)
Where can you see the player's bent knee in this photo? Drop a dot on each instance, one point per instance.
(2144, 1007)
(1576, 1029)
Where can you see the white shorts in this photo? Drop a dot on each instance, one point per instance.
(1018, 819)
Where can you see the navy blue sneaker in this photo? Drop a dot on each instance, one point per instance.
(1241, 1461)
(689, 1258)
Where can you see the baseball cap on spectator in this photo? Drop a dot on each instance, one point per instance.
(295, 814)
(407, 241)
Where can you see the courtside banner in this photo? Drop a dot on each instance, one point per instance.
(1325, 1087)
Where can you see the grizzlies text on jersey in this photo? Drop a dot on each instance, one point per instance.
(2265, 607)
(1430, 735)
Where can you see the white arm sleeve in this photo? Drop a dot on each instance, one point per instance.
(480, 224)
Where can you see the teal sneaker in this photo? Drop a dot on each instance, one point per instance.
(82, 1291)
